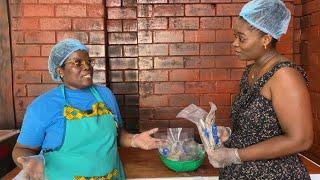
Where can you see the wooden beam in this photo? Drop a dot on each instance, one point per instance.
(7, 117)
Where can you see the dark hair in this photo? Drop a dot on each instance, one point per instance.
(273, 42)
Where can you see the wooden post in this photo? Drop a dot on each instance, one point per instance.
(7, 117)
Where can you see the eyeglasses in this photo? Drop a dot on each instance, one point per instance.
(80, 63)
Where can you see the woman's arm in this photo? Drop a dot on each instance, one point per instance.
(291, 102)
(142, 140)
(23, 151)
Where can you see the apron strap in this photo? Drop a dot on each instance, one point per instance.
(95, 93)
(64, 94)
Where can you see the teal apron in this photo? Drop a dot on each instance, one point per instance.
(89, 149)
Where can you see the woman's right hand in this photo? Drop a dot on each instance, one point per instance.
(32, 166)
(224, 133)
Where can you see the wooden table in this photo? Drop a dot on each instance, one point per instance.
(146, 164)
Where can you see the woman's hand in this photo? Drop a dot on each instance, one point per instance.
(145, 141)
(224, 133)
(32, 167)
(222, 157)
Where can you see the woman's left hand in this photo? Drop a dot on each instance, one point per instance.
(145, 141)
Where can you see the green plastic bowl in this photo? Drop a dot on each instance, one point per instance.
(183, 166)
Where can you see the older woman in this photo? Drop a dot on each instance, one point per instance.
(75, 125)
(271, 116)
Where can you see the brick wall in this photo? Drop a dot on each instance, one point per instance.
(36, 25)
(310, 58)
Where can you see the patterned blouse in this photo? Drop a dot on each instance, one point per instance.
(254, 120)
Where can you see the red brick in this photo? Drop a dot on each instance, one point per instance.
(199, 87)
(26, 50)
(144, 36)
(151, 1)
(115, 51)
(223, 112)
(145, 63)
(114, 26)
(88, 24)
(129, 3)
(113, 3)
(310, 7)
(97, 37)
(71, 10)
(145, 113)
(36, 63)
(145, 88)
(130, 25)
(184, 75)
(153, 49)
(215, 23)
(144, 10)
(168, 62)
(183, 99)
(215, 49)
(169, 88)
(15, 10)
(184, 1)
(38, 89)
(199, 36)
(168, 36)
(131, 75)
(298, 10)
(214, 74)
(182, 123)
(96, 50)
(55, 24)
(124, 88)
(152, 23)
(46, 49)
(22, 103)
(53, 1)
(219, 1)
(153, 75)
(122, 13)
(199, 62)
(224, 36)
(40, 37)
(285, 47)
(38, 10)
(184, 23)
(153, 101)
(130, 50)
(95, 10)
(315, 18)
(218, 99)
(18, 63)
(166, 112)
(17, 37)
(100, 64)
(229, 62)
(184, 49)
(200, 10)
(122, 38)
(123, 63)
(46, 78)
(288, 37)
(25, 24)
(147, 125)
(229, 9)
(168, 10)
(236, 74)
(132, 99)
(227, 86)
(116, 76)
(81, 36)
(87, 1)
(99, 77)
(19, 90)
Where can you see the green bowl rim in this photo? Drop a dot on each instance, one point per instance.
(202, 156)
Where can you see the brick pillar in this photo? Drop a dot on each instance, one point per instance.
(123, 58)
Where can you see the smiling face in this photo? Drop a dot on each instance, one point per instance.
(76, 76)
(248, 43)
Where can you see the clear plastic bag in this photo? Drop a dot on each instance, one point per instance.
(205, 123)
(31, 165)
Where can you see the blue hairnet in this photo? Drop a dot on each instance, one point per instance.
(269, 16)
(60, 52)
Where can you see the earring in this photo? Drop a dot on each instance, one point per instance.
(265, 47)
(61, 75)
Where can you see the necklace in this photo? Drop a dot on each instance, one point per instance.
(257, 68)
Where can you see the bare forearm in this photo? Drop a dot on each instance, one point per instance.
(125, 138)
(19, 151)
(273, 148)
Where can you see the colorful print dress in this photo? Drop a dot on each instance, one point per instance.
(254, 120)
